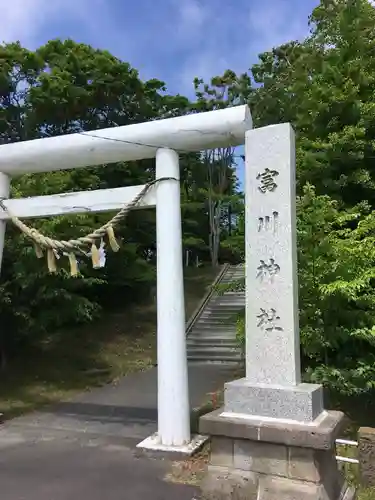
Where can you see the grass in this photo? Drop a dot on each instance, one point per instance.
(361, 413)
(93, 355)
(367, 494)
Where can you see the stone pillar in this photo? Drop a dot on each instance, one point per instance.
(4, 193)
(272, 387)
(272, 440)
(366, 456)
(173, 436)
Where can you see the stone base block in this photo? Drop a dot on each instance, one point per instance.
(221, 483)
(302, 403)
(152, 446)
(266, 460)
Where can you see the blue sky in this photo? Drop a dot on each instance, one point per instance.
(173, 40)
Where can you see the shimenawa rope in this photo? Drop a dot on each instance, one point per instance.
(74, 246)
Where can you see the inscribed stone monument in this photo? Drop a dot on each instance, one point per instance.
(272, 439)
(272, 387)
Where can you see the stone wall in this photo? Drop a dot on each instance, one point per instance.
(267, 470)
(266, 460)
(366, 456)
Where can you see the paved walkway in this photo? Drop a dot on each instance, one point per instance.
(85, 448)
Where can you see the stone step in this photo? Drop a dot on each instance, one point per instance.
(229, 345)
(229, 297)
(213, 336)
(225, 299)
(219, 315)
(224, 322)
(209, 349)
(221, 330)
(235, 299)
(220, 311)
(236, 275)
(202, 329)
(223, 307)
(217, 362)
(231, 279)
(212, 356)
(209, 334)
(215, 357)
(213, 341)
(219, 302)
(229, 294)
(227, 319)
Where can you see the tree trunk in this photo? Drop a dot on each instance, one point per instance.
(219, 160)
(3, 358)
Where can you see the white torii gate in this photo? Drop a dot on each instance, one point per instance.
(162, 139)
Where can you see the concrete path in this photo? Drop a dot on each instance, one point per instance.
(85, 448)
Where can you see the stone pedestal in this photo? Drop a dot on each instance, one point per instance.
(267, 459)
(272, 440)
(302, 402)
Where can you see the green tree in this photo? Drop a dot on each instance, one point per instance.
(219, 164)
(324, 86)
(66, 87)
(337, 299)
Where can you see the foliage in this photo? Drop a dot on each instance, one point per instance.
(336, 253)
(337, 294)
(325, 87)
(223, 91)
(64, 87)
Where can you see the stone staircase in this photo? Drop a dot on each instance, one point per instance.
(211, 333)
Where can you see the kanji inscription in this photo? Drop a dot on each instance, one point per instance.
(269, 320)
(269, 222)
(266, 269)
(267, 180)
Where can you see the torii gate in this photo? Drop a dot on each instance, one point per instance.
(162, 139)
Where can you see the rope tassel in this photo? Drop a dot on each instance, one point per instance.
(73, 264)
(38, 250)
(51, 261)
(95, 256)
(55, 247)
(112, 239)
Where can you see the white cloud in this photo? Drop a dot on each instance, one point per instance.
(188, 20)
(192, 13)
(180, 38)
(232, 38)
(23, 19)
(203, 65)
(273, 23)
